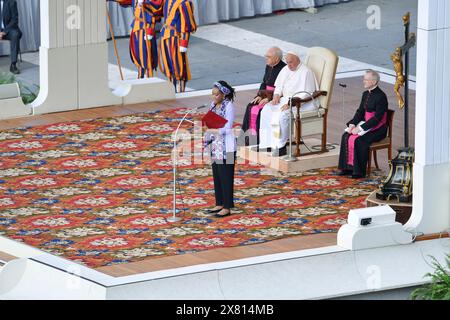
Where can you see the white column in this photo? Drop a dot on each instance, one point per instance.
(73, 56)
(431, 185)
(74, 61)
(93, 87)
(57, 60)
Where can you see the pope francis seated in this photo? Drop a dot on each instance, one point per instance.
(295, 79)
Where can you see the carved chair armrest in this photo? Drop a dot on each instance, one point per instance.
(296, 101)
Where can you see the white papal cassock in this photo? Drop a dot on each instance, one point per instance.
(274, 128)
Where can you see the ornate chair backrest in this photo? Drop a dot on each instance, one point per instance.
(323, 62)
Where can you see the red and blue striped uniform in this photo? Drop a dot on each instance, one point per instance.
(143, 52)
(179, 24)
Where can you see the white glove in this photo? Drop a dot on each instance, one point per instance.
(149, 33)
(183, 49)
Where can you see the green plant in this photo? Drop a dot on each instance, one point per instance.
(7, 77)
(27, 92)
(28, 95)
(439, 288)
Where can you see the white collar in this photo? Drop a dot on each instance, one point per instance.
(370, 90)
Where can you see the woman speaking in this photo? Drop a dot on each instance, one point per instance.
(223, 148)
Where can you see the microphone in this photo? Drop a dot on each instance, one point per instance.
(195, 109)
(201, 107)
(343, 86)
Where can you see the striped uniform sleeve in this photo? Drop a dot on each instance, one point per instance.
(187, 22)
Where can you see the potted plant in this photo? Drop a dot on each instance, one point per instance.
(27, 92)
(439, 288)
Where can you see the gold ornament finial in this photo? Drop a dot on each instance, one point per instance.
(406, 18)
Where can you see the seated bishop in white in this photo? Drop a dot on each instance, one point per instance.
(293, 78)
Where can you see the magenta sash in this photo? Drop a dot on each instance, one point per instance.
(253, 117)
(353, 137)
(254, 114)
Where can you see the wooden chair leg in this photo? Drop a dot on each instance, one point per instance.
(324, 143)
(375, 158)
(369, 163)
(390, 153)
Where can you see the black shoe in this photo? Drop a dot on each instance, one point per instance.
(280, 152)
(344, 173)
(223, 215)
(213, 211)
(263, 150)
(357, 176)
(13, 69)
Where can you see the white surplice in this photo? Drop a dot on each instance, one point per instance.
(274, 127)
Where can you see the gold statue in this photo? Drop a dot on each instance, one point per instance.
(397, 59)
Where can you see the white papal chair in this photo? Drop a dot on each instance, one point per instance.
(323, 62)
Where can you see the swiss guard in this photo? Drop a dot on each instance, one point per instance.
(143, 46)
(179, 23)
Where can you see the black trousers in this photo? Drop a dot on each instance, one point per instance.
(14, 36)
(223, 174)
(361, 151)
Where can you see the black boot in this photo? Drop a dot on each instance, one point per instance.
(344, 173)
(13, 69)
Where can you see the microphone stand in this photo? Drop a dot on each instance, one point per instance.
(290, 157)
(174, 217)
(343, 86)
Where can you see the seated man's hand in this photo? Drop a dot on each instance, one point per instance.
(2, 34)
(276, 99)
(263, 102)
(285, 107)
(355, 130)
(256, 100)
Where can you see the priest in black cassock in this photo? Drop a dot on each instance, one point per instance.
(369, 125)
(250, 125)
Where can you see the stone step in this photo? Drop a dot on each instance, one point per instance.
(304, 162)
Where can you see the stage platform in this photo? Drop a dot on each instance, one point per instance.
(320, 273)
(271, 256)
(307, 162)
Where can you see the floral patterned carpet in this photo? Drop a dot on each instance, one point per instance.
(99, 192)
